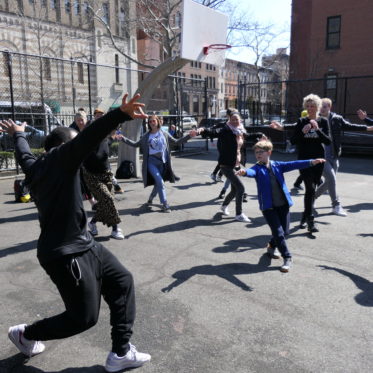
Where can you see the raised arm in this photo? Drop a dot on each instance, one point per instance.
(76, 150)
(23, 152)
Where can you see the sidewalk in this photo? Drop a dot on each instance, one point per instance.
(208, 298)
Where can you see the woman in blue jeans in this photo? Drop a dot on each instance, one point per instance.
(157, 165)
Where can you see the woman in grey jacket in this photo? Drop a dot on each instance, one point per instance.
(157, 166)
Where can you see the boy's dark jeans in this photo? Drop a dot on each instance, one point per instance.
(81, 279)
(237, 188)
(278, 219)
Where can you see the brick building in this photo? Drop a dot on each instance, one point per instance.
(331, 41)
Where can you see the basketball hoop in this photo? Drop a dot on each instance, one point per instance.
(215, 47)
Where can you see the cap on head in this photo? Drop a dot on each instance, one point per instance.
(98, 111)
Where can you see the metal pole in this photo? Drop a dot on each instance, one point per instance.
(10, 70)
(345, 98)
(89, 89)
(72, 84)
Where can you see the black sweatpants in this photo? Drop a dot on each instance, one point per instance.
(81, 279)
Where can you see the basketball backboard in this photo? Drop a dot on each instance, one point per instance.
(201, 27)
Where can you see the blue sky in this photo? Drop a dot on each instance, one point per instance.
(276, 12)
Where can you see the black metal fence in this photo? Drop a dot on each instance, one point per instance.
(283, 100)
(46, 92)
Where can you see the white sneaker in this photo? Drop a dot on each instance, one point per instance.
(224, 210)
(243, 218)
(118, 234)
(218, 178)
(213, 177)
(132, 359)
(338, 210)
(287, 265)
(26, 346)
(93, 229)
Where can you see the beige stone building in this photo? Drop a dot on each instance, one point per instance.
(72, 33)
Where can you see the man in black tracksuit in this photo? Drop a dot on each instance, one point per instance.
(81, 268)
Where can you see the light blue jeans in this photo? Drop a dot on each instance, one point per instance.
(156, 168)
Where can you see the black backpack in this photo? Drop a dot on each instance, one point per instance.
(125, 170)
(21, 192)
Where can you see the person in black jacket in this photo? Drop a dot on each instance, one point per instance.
(81, 268)
(310, 134)
(333, 151)
(231, 139)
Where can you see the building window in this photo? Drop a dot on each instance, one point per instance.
(80, 73)
(53, 4)
(47, 69)
(117, 68)
(67, 6)
(178, 19)
(331, 86)
(333, 32)
(76, 7)
(105, 11)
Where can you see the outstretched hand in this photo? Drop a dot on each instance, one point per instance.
(241, 172)
(133, 108)
(276, 126)
(10, 127)
(361, 114)
(317, 161)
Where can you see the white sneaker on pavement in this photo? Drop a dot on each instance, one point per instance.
(224, 210)
(26, 346)
(213, 177)
(117, 234)
(287, 265)
(338, 210)
(243, 218)
(93, 229)
(132, 359)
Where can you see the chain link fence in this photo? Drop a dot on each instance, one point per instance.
(46, 92)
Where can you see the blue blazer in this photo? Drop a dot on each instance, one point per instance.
(261, 174)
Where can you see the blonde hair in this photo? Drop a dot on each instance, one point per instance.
(312, 98)
(265, 145)
(80, 114)
(327, 101)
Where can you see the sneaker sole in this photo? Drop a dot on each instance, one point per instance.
(284, 270)
(126, 366)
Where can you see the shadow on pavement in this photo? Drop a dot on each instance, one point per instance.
(359, 207)
(225, 271)
(182, 187)
(239, 246)
(183, 225)
(15, 364)
(22, 247)
(365, 298)
(26, 217)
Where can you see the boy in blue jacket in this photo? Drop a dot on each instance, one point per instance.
(274, 197)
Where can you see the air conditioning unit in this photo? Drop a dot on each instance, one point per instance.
(118, 87)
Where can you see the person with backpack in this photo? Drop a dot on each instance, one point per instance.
(82, 269)
(156, 165)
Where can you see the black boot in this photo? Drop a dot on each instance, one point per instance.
(303, 221)
(311, 226)
(222, 194)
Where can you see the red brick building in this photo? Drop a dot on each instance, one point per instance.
(332, 41)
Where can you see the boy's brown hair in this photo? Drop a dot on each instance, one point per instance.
(265, 145)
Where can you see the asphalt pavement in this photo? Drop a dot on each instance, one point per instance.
(209, 300)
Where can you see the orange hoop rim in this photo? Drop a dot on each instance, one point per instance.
(215, 46)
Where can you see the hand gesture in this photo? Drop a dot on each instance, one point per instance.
(314, 124)
(276, 126)
(133, 108)
(118, 137)
(193, 133)
(200, 130)
(362, 114)
(10, 127)
(307, 128)
(317, 161)
(241, 172)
